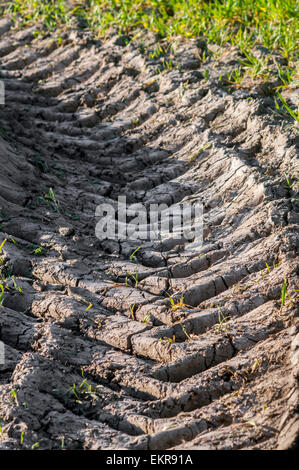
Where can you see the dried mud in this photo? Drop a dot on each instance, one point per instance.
(94, 120)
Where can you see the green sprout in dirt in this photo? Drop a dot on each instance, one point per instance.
(50, 195)
(268, 268)
(133, 257)
(38, 251)
(287, 110)
(1, 294)
(283, 292)
(132, 310)
(257, 67)
(198, 153)
(178, 305)
(134, 277)
(62, 444)
(1, 246)
(146, 318)
(16, 287)
(185, 332)
(222, 322)
(50, 199)
(290, 185)
(288, 296)
(12, 240)
(14, 395)
(84, 391)
(235, 77)
(166, 340)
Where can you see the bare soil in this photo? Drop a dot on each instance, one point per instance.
(94, 120)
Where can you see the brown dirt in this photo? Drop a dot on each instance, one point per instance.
(94, 120)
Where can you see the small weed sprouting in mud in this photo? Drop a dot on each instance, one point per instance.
(199, 152)
(1, 293)
(264, 408)
(183, 88)
(14, 396)
(146, 317)
(134, 277)
(166, 340)
(222, 322)
(84, 391)
(258, 68)
(22, 438)
(283, 292)
(81, 299)
(50, 195)
(62, 444)
(178, 305)
(133, 257)
(268, 268)
(243, 289)
(235, 77)
(290, 185)
(1, 246)
(286, 109)
(255, 366)
(16, 287)
(132, 310)
(185, 332)
(35, 446)
(157, 52)
(252, 370)
(49, 198)
(38, 251)
(12, 240)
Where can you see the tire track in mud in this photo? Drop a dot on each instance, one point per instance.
(94, 120)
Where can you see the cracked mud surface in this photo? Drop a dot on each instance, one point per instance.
(94, 120)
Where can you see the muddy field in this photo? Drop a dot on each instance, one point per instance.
(94, 357)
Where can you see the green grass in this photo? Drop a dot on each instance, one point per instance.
(1, 293)
(241, 23)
